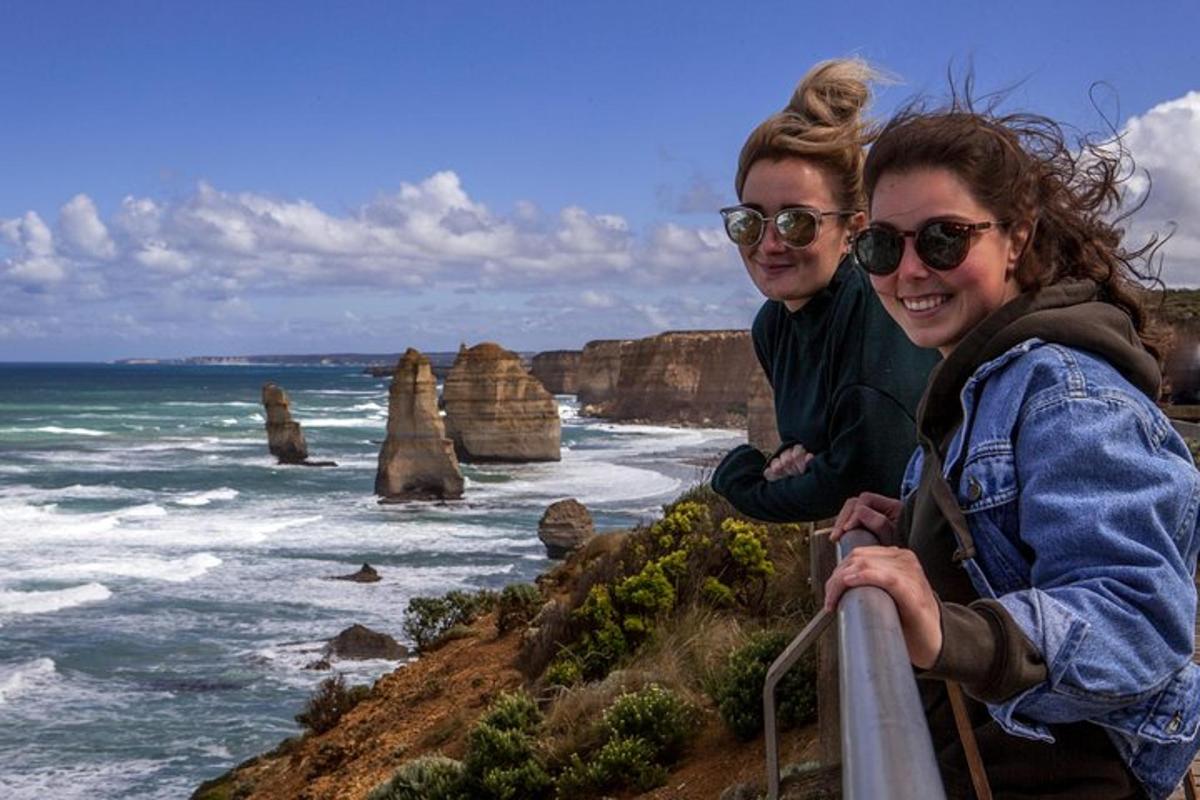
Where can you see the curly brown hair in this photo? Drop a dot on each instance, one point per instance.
(1020, 167)
(823, 122)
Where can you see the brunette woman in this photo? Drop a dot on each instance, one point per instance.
(1047, 532)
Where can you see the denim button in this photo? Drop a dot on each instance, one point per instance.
(974, 490)
(1175, 723)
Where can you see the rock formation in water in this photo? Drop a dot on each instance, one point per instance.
(497, 411)
(284, 437)
(366, 574)
(417, 460)
(558, 370)
(684, 377)
(565, 527)
(599, 371)
(761, 429)
(359, 642)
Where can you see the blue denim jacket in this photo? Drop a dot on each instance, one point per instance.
(1083, 503)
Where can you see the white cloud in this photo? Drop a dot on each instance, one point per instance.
(36, 265)
(1165, 141)
(426, 235)
(81, 229)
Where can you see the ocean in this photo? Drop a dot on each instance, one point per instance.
(163, 583)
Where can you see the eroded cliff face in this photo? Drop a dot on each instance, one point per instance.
(417, 459)
(761, 428)
(497, 411)
(684, 377)
(599, 370)
(284, 437)
(558, 370)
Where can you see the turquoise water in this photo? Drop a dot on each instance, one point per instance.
(163, 581)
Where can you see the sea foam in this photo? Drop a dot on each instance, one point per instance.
(204, 498)
(45, 602)
(18, 679)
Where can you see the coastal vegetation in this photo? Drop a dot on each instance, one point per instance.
(640, 657)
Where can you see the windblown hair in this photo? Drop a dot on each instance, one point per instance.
(1020, 167)
(822, 123)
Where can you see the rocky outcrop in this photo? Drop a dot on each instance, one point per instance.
(365, 574)
(558, 370)
(417, 459)
(688, 378)
(497, 411)
(284, 437)
(565, 527)
(358, 642)
(761, 429)
(599, 371)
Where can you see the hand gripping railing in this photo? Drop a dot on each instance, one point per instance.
(886, 748)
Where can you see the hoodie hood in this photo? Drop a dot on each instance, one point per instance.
(1068, 313)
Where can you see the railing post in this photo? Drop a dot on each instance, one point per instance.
(886, 747)
(822, 560)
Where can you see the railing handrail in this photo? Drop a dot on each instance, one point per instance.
(886, 747)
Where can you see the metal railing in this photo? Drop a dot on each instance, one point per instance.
(886, 747)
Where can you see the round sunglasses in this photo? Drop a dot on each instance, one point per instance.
(941, 244)
(798, 226)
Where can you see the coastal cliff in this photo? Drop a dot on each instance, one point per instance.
(558, 370)
(685, 377)
(497, 411)
(599, 370)
(417, 459)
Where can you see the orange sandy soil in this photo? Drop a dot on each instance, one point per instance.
(429, 705)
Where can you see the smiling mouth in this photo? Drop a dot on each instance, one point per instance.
(925, 302)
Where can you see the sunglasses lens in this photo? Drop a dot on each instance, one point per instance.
(943, 245)
(797, 228)
(743, 226)
(879, 250)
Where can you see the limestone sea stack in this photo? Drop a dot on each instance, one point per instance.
(284, 437)
(761, 429)
(686, 378)
(565, 527)
(497, 411)
(558, 370)
(599, 371)
(417, 460)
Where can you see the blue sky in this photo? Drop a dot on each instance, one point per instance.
(187, 178)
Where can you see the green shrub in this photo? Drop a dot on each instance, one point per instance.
(428, 619)
(329, 702)
(517, 605)
(564, 671)
(647, 592)
(425, 778)
(739, 688)
(602, 642)
(501, 762)
(716, 593)
(513, 711)
(618, 763)
(657, 716)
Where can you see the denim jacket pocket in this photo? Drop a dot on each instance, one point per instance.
(988, 477)
(1175, 716)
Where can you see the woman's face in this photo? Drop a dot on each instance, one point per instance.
(781, 273)
(937, 309)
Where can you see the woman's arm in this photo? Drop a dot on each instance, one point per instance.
(871, 441)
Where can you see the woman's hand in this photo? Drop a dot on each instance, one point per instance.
(874, 512)
(792, 461)
(897, 572)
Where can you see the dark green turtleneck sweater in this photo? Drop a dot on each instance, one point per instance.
(847, 382)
